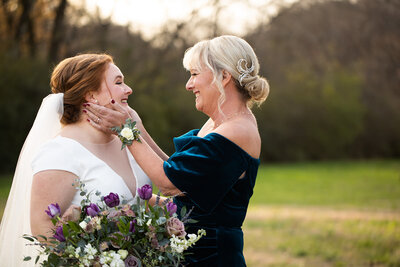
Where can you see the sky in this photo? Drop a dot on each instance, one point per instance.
(236, 16)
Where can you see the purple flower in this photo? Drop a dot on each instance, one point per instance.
(132, 261)
(59, 235)
(171, 208)
(92, 210)
(53, 210)
(132, 226)
(111, 200)
(145, 192)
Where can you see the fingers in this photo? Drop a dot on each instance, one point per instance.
(92, 116)
(110, 117)
(100, 126)
(116, 106)
(97, 110)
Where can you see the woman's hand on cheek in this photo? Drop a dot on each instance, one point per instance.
(104, 118)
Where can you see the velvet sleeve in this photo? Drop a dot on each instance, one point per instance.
(205, 169)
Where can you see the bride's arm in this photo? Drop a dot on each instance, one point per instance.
(49, 187)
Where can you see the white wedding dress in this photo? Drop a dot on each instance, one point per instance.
(43, 150)
(66, 154)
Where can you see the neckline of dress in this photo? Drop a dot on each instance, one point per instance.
(220, 135)
(105, 163)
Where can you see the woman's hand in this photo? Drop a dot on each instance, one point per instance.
(135, 116)
(73, 213)
(104, 118)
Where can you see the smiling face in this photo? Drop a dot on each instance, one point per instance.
(113, 87)
(207, 94)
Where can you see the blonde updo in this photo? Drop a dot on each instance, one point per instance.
(227, 53)
(75, 77)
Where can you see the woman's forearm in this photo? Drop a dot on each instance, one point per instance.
(152, 165)
(153, 145)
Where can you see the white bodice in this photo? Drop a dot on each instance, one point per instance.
(66, 154)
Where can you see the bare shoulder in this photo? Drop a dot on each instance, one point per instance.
(244, 133)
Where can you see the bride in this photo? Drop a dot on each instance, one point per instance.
(62, 147)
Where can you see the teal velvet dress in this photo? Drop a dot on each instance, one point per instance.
(207, 170)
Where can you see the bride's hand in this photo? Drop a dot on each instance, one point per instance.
(73, 213)
(104, 118)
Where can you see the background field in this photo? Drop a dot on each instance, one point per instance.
(320, 214)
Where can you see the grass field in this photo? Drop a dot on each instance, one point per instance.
(320, 214)
(325, 214)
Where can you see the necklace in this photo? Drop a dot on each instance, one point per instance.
(247, 112)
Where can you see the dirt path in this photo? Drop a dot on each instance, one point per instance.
(317, 213)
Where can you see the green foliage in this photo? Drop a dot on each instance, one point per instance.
(312, 116)
(332, 67)
(23, 84)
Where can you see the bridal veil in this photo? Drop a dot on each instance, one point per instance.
(16, 218)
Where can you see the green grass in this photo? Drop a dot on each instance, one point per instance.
(325, 214)
(353, 184)
(322, 214)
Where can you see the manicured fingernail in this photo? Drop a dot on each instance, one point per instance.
(84, 110)
(87, 104)
(112, 101)
(84, 104)
(88, 120)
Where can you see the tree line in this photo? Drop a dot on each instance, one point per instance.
(333, 67)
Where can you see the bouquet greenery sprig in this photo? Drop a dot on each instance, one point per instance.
(114, 233)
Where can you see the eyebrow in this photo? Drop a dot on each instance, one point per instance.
(118, 76)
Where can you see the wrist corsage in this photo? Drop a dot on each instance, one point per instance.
(127, 133)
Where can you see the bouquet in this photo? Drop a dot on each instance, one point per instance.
(114, 233)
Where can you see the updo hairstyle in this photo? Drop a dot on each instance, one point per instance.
(75, 77)
(228, 53)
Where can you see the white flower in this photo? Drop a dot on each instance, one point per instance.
(70, 250)
(192, 237)
(181, 244)
(83, 225)
(178, 244)
(91, 251)
(77, 251)
(96, 221)
(127, 133)
(117, 263)
(123, 253)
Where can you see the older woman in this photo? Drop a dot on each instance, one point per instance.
(215, 166)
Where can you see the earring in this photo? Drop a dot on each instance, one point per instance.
(96, 101)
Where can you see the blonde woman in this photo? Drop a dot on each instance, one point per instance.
(214, 166)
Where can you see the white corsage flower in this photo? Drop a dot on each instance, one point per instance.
(127, 133)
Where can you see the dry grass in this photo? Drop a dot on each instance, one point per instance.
(299, 236)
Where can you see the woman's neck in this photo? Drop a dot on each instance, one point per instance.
(233, 106)
(84, 132)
